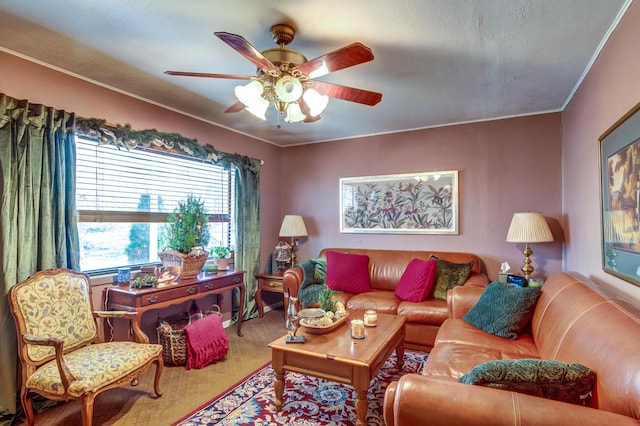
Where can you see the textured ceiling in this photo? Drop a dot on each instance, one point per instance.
(437, 62)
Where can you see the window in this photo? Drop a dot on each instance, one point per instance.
(124, 196)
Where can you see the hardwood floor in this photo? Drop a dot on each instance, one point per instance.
(183, 390)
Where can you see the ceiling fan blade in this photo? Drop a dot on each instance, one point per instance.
(237, 107)
(242, 46)
(209, 75)
(346, 93)
(348, 56)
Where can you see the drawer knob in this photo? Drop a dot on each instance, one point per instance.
(153, 299)
(192, 290)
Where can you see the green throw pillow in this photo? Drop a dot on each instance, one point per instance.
(543, 378)
(449, 275)
(503, 309)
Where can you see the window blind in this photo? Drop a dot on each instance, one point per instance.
(141, 185)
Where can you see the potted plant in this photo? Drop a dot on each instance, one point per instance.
(185, 236)
(222, 254)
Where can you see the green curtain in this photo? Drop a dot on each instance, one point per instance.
(247, 211)
(38, 228)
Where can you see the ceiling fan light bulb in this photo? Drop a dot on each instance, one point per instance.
(294, 114)
(249, 93)
(288, 89)
(315, 101)
(259, 108)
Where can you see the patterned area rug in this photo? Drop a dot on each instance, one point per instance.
(308, 401)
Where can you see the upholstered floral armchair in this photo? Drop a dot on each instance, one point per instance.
(61, 355)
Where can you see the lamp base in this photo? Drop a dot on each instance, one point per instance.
(294, 339)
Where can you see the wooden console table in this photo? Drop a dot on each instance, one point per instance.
(141, 300)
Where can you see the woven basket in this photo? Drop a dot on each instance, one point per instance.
(189, 265)
(174, 342)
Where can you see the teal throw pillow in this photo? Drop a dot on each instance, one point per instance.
(449, 275)
(503, 309)
(320, 273)
(550, 379)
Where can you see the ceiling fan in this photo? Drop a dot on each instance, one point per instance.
(286, 79)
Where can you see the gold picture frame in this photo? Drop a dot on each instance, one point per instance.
(620, 197)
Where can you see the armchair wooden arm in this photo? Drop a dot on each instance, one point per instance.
(65, 375)
(139, 335)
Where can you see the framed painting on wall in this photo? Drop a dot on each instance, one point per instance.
(620, 197)
(410, 203)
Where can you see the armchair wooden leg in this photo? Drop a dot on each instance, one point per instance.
(87, 409)
(27, 406)
(156, 383)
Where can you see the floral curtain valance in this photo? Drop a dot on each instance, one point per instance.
(126, 137)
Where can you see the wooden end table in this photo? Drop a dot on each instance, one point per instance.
(272, 283)
(337, 357)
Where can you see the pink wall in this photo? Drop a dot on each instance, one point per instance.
(26, 80)
(504, 166)
(611, 88)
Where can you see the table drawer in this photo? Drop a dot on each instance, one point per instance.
(175, 293)
(221, 282)
(270, 285)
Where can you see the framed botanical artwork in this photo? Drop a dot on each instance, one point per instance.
(410, 203)
(620, 197)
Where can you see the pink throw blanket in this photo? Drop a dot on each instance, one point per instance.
(206, 341)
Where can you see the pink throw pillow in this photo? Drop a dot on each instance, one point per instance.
(348, 272)
(417, 280)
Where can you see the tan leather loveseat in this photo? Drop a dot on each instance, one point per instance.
(573, 322)
(385, 269)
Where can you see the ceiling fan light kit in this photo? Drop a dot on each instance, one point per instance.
(285, 79)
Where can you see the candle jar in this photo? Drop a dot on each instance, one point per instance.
(370, 314)
(357, 329)
(370, 318)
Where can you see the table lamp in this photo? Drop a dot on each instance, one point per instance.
(528, 227)
(292, 227)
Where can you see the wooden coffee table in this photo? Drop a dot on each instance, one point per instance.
(337, 357)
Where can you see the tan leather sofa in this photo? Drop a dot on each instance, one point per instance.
(385, 269)
(573, 322)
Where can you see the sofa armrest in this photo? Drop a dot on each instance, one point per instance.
(422, 400)
(462, 298)
(476, 279)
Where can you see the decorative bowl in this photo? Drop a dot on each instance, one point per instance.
(322, 329)
(311, 313)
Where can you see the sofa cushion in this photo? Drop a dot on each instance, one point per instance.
(385, 302)
(459, 331)
(543, 378)
(503, 310)
(417, 280)
(431, 311)
(449, 275)
(348, 272)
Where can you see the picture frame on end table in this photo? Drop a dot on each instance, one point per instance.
(408, 203)
(620, 197)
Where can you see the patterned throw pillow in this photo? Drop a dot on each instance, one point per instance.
(417, 280)
(348, 272)
(449, 275)
(543, 378)
(503, 309)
